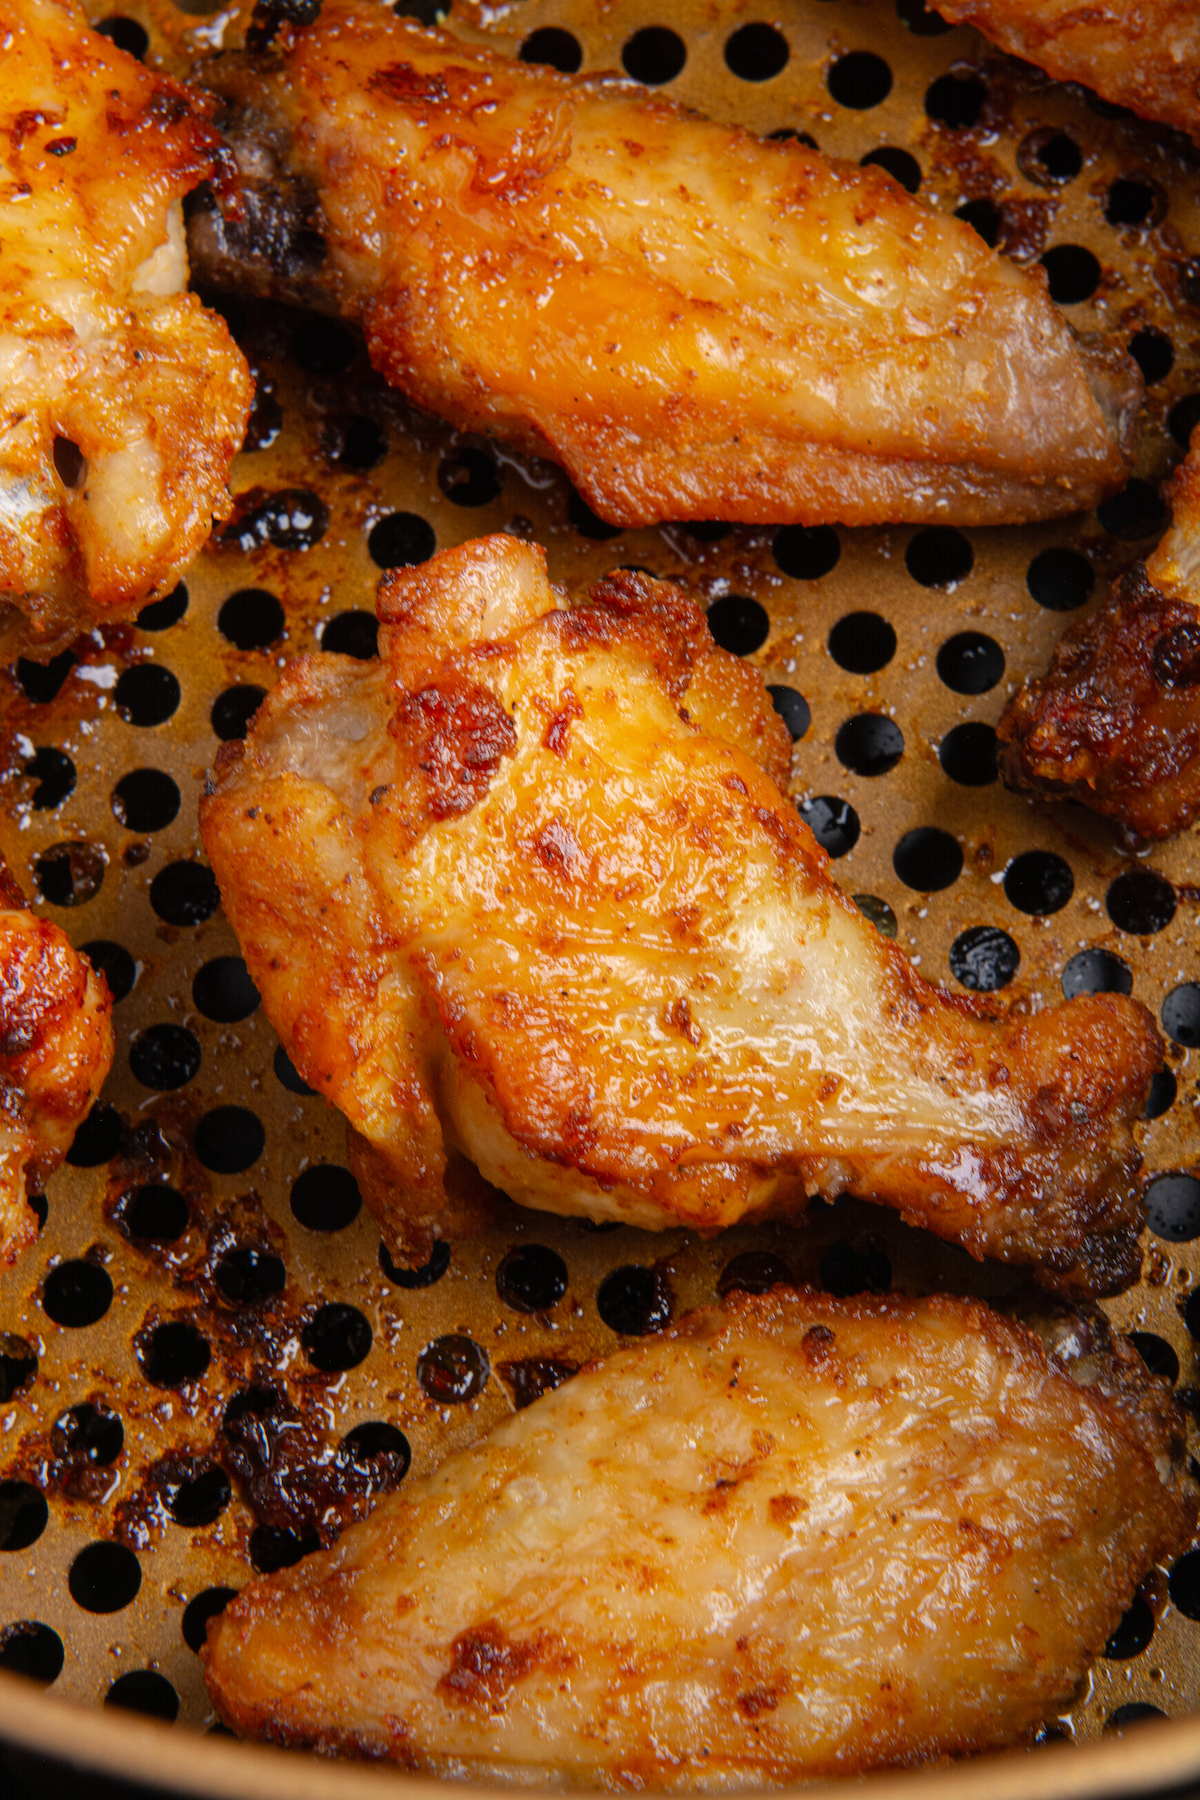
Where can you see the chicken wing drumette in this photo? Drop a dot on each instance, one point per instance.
(795, 1537)
(122, 401)
(695, 323)
(56, 1046)
(1115, 720)
(520, 900)
(1144, 54)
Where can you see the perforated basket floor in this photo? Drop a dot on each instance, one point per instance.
(208, 1366)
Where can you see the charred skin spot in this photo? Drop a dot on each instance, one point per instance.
(558, 731)
(458, 732)
(485, 1666)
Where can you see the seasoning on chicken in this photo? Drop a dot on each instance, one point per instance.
(695, 323)
(795, 1537)
(122, 401)
(1144, 54)
(1115, 720)
(522, 903)
(56, 1046)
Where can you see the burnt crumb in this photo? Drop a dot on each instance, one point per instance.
(80, 1457)
(758, 1700)
(534, 1376)
(485, 1666)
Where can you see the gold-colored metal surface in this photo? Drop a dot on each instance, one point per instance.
(1144, 288)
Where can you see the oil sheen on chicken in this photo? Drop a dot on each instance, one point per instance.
(797, 1536)
(524, 899)
(122, 401)
(1115, 720)
(1144, 54)
(697, 324)
(56, 1046)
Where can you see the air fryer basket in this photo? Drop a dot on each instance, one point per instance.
(206, 1316)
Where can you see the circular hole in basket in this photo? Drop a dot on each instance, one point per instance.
(144, 1691)
(920, 19)
(126, 34)
(939, 557)
(806, 552)
(871, 744)
(42, 682)
(173, 1354)
(288, 1075)
(955, 101)
(208, 1604)
(754, 1272)
(634, 1300)
(739, 624)
(380, 1448)
(146, 800)
(24, 1514)
(1173, 1208)
(587, 523)
(251, 619)
(848, 1269)
(425, 1276)
(112, 961)
(469, 477)
(104, 1578)
(862, 643)
(1038, 882)
(1134, 1712)
(354, 633)
(833, 822)
(1180, 1014)
(1183, 1584)
(928, 859)
(859, 80)
(654, 55)
(247, 1276)
(229, 1139)
(185, 893)
(1183, 419)
(326, 1198)
(89, 1433)
(323, 347)
(336, 1337)
(156, 1212)
(401, 539)
(792, 708)
(968, 754)
(1156, 1353)
(984, 217)
(31, 1649)
(1137, 512)
(18, 1365)
(202, 1500)
(147, 694)
(452, 1369)
(1154, 355)
(55, 775)
(1096, 971)
(224, 991)
(984, 959)
(1161, 1097)
(76, 1294)
(1073, 273)
(265, 421)
(531, 1279)
(878, 912)
(1060, 579)
(553, 47)
(165, 1057)
(1133, 202)
(97, 1140)
(1133, 1634)
(160, 615)
(353, 441)
(272, 1548)
(756, 52)
(897, 163)
(70, 874)
(1141, 902)
(233, 710)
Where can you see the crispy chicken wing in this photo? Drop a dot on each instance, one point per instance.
(797, 1536)
(56, 1046)
(520, 900)
(122, 401)
(1144, 54)
(1115, 720)
(695, 323)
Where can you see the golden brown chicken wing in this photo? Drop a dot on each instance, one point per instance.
(1144, 54)
(122, 401)
(519, 900)
(795, 1537)
(695, 323)
(56, 1046)
(1115, 720)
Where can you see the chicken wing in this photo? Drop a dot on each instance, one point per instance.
(56, 1046)
(122, 401)
(797, 1536)
(1144, 54)
(520, 900)
(695, 323)
(1115, 720)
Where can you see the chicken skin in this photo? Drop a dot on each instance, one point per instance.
(122, 401)
(695, 323)
(56, 1046)
(524, 900)
(1144, 55)
(1115, 720)
(794, 1537)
